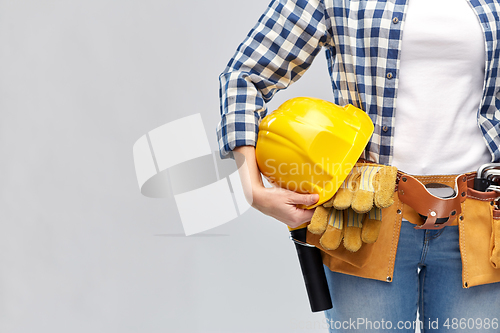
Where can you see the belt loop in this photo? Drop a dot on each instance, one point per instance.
(413, 192)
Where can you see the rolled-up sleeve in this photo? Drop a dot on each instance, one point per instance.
(276, 53)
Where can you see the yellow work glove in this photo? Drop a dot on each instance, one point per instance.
(354, 213)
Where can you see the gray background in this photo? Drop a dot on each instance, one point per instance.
(81, 250)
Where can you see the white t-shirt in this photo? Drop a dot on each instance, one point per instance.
(439, 90)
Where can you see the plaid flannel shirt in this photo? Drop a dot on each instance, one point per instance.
(362, 39)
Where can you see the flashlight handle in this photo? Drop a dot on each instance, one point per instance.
(481, 184)
(313, 272)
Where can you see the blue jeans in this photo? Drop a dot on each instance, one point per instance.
(364, 305)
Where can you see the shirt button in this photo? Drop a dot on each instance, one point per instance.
(395, 20)
(389, 75)
(385, 128)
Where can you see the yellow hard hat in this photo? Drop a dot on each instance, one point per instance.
(309, 145)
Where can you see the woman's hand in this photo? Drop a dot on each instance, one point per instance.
(282, 205)
(275, 202)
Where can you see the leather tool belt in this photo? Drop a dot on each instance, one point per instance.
(475, 213)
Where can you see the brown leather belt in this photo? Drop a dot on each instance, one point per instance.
(419, 201)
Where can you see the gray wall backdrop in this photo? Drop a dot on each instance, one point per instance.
(81, 250)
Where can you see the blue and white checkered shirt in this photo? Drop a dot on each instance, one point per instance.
(362, 40)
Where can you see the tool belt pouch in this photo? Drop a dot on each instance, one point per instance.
(495, 241)
(480, 238)
(375, 260)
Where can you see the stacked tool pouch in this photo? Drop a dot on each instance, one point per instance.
(480, 237)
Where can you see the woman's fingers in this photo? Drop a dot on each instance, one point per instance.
(303, 199)
(282, 205)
